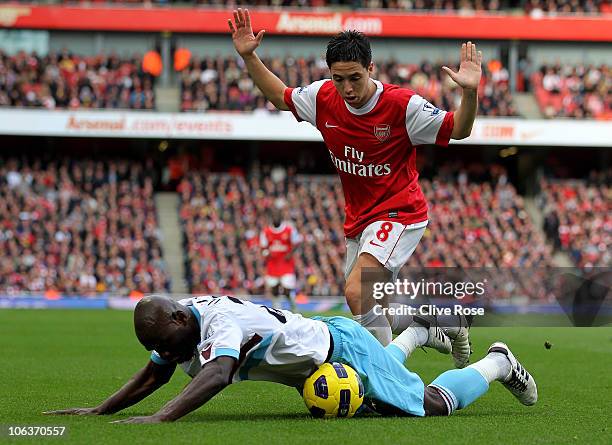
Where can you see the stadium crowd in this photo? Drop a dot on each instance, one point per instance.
(533, 7)
(478, 222)
(472, 224)
(89, 227)
(79, 227)
(223, 215)
(66, 80)
(477, 219)
(578, 91)
(447, 5)
(578, 218)
(539, 8)
(216, 83)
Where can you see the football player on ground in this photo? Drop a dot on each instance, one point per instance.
(278, 242)
(224, 340)
(371, 130)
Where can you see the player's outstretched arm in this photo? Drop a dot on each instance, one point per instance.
(468, 78)
(245, 43)
(211, 380)
(143, 383)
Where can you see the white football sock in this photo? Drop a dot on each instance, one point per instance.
(399, 322)
(495, 366)
(378, 325)
(411, 338)
(276, 302)
(291, 299)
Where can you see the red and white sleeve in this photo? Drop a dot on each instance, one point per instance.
(427, 124)
(302, 101)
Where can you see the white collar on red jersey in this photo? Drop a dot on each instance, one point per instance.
(279, 229)
(370, 104)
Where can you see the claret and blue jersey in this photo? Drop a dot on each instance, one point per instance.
(283, 347)
(268, 344)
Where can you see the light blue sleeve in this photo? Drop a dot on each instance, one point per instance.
(227, 352)
(155, 358)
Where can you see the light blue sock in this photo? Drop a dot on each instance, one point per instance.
(460, 387)
(396, 352)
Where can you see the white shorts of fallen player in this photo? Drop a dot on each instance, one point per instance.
(287, 281)
(391, 243)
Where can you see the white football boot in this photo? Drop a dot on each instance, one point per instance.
(519, 382)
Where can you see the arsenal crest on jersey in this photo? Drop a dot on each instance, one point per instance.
(382, 132)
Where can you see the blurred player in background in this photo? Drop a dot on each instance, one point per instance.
(370, 130)
(278, 242)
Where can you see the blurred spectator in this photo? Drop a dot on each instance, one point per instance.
(584, 227)
(539, 8)
(66, 80)
(578, 91)
(217, 83)
(79, 227)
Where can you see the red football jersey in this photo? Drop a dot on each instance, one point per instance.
(373, 148)
(279, 241)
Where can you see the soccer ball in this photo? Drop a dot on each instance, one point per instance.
(333, 390)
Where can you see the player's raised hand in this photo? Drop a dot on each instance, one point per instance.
(75, 412)
(245, 41)
(470, 70)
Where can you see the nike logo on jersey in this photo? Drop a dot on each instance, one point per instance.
(375, 244)
(328, 125)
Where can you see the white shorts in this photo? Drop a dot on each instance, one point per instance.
(287, 281)
(391, 243)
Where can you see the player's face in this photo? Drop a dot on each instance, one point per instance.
(276, 218)
(173, 348)
(352, 81)
(176, 341)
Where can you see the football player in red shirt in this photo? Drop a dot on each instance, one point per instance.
(371, 130)
(278, 241)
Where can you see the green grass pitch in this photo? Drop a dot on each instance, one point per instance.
(60, 359)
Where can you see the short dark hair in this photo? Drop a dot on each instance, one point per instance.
(349, 46)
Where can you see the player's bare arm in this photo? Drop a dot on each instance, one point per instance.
(468, 78)
(145, 382)
(211, 380)
(246, 43)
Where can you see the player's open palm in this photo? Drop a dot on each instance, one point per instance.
(470, 69)
(245, 41)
